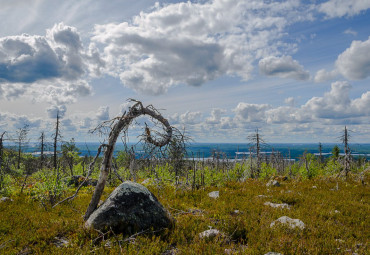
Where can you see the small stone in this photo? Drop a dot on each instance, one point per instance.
(209, 234)
(262, 196)
(274, 183)
(314, 187)
(283, 206)
(336, 211)
(61, 242)
(291, 223)
(228, 251)
(273, 253)
(214, 194)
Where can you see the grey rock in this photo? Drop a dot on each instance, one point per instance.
(262, 196)
(273, 253)
(129, 209)
(291, 223)
(283, 205)
(60, 242)
(274, 183)
(209, 234)
(214, 194)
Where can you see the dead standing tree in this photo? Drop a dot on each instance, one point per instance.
(118, 125)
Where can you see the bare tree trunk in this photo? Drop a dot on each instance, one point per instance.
(122, 123)
(1, 160)
(56, 141)
(42, 137)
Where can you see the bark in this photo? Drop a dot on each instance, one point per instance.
(121, 124)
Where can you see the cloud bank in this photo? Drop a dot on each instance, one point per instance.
(193, 43)
(53, 68)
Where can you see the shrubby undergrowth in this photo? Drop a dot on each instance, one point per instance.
(333, 208)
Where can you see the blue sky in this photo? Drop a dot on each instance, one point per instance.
(296, 70)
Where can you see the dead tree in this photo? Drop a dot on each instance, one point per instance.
(21, 140)
(1, 160)
(347, 152)
(42, 149)
(56, 136)
(117, 125)
(257, 142)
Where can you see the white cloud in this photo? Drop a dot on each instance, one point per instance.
(340, 8)
(86, 123)
(215, 116)
(190, 118)
(284, 67)
(40, 66)
(350, 32)
(55, 109)
(322, 75)
(333, 107)
(354, 62)
(68, 125)
(251, 112)
(290, 101)
(103, 113)
(193, 43)
(22, 121)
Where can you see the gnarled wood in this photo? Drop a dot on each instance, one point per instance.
(120, 124)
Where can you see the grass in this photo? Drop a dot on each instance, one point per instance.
(337, 221)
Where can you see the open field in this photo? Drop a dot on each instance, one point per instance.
(335, 213)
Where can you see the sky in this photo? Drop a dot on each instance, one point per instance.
(298, 71)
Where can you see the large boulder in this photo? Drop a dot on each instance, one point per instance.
(129, 209)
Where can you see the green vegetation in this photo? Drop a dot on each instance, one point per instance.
(335, 210)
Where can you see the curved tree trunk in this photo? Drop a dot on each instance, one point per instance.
(123, 123)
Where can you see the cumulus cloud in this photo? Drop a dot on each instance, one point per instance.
(322, 75)
(190, 118)
(284, 67)
(14, 121)
(335, 106)
(251, 112)
(354, 62)
(22, 121)
(340, 8)
(290, 101)
(192, 43)
(55, 110)
(216, 115)
(102, 113)
(33, 64)
(68, 125)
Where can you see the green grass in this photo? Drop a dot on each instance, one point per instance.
(337, 221)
